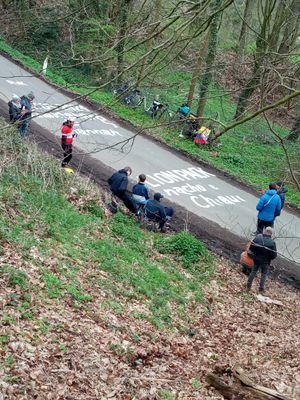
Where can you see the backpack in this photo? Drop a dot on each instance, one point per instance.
(202, 136)
(246, 259)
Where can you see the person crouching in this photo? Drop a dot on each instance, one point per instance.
(67, 137)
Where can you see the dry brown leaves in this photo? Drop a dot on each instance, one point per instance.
(91, 353)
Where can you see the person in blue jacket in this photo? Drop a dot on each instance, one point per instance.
(268, 207)
(140, 191)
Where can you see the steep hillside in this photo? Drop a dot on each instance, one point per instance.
(93, 307)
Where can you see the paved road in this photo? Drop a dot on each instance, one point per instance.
(182, 181)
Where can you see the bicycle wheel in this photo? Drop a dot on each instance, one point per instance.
(165, 116)
(135, 101)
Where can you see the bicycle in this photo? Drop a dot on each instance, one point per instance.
(165, 115)
(133, 99)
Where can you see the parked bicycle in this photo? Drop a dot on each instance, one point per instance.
(159, 111)
(130, 97)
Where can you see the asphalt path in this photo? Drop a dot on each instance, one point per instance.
(202, 192)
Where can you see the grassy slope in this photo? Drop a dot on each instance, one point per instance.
(94, 307)
(249, 152)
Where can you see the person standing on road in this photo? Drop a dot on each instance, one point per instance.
(263, 250)
(268, 207)
(281, 191)
(118, 184)
(26, 114)
(14, 108)
(67, 137)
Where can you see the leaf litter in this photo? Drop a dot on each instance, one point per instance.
(59, 348)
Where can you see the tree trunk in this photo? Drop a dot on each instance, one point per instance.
(123, 17)
(262, 45)
(294, 134)
(243, 32)
(280, 18)
(291, 31)
(247, 92)
(196, 70)
(141, 76)
(210, 59)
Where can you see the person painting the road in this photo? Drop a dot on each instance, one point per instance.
(268, 207)
(14, 108)
(67, 137)
(26, 114)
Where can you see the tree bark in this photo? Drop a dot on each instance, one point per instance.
(291, 30)
(123, 17)
(196, 70)
(243, 32)
(210, 59)
(262, 45)
(141, 76)
(294, 134)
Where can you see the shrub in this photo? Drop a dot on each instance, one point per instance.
(189, 249)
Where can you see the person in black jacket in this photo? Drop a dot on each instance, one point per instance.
(14, 108)
(263, 250)
(26, 113)
(281, 191)
(118, 183)
(155, 211)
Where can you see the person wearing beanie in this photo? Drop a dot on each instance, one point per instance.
(26, 113)
(14, 108)
(155, 211)
(263, 250)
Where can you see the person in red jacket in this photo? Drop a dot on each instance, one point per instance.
(67, 137)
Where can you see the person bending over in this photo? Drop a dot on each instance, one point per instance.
(155, 211)
(118, 183)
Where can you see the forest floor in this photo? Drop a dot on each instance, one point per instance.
(93, 307)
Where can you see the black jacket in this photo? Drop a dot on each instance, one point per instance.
(118, 182)
(264, 249)
(155, 211)
(14, 111)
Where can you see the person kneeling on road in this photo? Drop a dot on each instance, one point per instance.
(118, 183)
(155, 211)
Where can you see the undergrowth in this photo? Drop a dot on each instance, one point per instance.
(58, 245)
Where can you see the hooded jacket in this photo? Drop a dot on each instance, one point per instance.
(118, 182)
(263, 249)
(269, 206)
